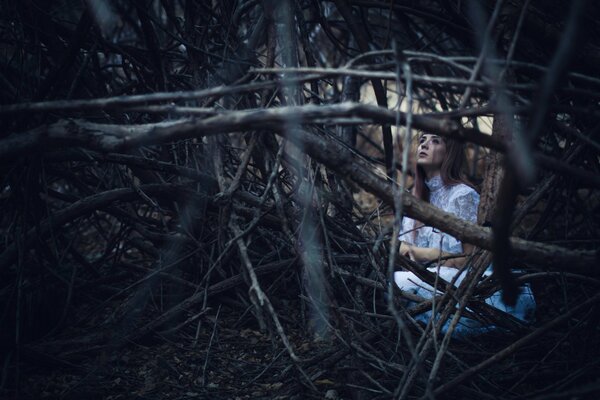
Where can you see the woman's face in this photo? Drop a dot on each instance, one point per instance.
(431, 153)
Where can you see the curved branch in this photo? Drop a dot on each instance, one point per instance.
(108, 138)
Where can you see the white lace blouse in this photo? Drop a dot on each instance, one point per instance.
(460, 200)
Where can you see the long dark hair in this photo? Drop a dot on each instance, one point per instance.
(452, 171)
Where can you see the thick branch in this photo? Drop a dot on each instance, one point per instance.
(106, 137)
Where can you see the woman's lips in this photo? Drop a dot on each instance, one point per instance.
(422, 154)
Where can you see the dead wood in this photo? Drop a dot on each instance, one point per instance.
(198, 197)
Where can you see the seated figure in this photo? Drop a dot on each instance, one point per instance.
(439, 179)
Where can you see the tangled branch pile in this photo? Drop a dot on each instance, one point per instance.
(185, 197)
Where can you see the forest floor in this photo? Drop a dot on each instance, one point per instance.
(222, 355)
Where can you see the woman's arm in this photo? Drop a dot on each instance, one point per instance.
(426, 254)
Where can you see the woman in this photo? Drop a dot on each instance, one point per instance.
(440, 180)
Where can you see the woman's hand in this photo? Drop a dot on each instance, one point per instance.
(411, 251)
(405, 249)
(427, 254)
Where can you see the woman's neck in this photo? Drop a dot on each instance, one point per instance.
(429, 175)
(434, 183)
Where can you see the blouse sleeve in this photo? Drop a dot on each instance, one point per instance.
(406, 231)
(463, 203)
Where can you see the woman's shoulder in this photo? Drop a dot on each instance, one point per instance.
(463, 190)
(464, 202)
